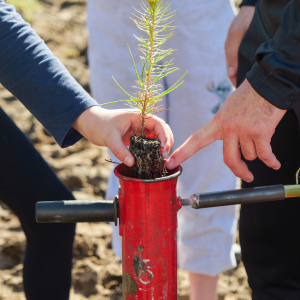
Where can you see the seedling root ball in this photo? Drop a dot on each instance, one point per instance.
(149, 162)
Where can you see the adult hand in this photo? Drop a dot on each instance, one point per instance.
(113, 128)
(245, 122)
(236, 32)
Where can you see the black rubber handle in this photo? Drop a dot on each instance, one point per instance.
(74, 211)
(242, 196)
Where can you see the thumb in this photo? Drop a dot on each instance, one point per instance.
(231, 50)
(232, 66)
(232, 62)
(200, 139)
(120, 151)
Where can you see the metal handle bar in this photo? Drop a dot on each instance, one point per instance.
(74, 211)
(107, 211)
(242, 196)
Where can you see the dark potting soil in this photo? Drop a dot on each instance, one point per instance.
(149, 162)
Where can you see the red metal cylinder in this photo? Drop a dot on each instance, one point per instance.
(148, 224)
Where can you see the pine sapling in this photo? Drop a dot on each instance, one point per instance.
(155, 19)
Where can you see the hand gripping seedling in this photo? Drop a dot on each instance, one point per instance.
(147, 206)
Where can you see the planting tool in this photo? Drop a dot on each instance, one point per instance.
(147, 212)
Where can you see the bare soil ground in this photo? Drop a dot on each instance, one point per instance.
(82, 168)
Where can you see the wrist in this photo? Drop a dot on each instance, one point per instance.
(245, 16)
(270, 88)
(247, 12)
(88, 120)
(246, 8)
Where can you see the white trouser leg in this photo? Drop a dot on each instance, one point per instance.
(205, 236)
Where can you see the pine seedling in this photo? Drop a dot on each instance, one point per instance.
(155, 19)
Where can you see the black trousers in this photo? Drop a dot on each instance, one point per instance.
(25, 178)
(270, 232)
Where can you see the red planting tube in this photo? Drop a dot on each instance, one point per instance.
(148, 225)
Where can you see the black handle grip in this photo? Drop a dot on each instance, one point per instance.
(242, 196)
(74, 211)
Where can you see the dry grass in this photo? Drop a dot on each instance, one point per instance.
(24, 7)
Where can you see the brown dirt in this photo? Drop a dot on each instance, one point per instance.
(149, 162)
(82, 168)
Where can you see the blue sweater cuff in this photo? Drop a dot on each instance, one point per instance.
(73, 136)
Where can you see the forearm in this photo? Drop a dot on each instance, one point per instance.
(276, 74)
(29, 70)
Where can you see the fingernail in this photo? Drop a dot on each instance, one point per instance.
(249, 179)
(129, 161)
(230, 71)
(170, 163)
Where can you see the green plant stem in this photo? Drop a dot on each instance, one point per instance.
(148, 75)
(154, 20)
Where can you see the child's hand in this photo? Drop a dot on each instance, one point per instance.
(113, 128)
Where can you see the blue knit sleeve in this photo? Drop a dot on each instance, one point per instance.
(31, 73)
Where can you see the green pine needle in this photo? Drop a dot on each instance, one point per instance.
(154, 18)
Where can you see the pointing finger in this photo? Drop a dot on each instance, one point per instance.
(200, 139)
